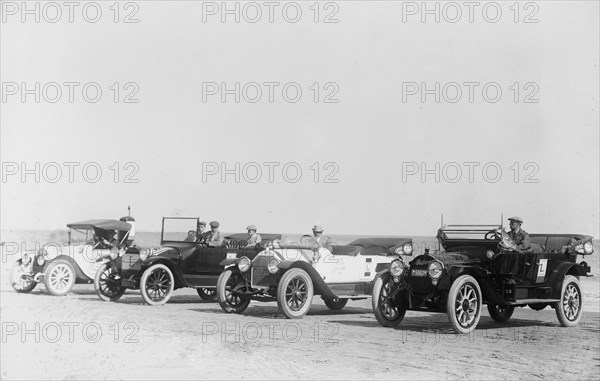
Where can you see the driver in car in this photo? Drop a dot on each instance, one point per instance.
(214, 238)
(518, 235)
(253, 237)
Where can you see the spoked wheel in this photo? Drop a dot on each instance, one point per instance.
(499, 313)
(230, 288)
(387, 312)
(295, 293)
(335, 304)
(464, 304)
(207, 293)
(107, 287)
(59, 278)
(157, 284)
(21, 279)
(570, 307)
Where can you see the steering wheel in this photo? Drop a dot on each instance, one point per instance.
(493, 235)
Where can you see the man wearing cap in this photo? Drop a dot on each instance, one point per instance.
(200, 232)
(214, 238)
(518, 235)
(318, 240)
(253, 237)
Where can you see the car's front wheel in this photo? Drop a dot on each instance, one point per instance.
(59, 277)
(295, 293)
(157, 284)
(464, 304)
(335, 304)
(230, 286)
(570, 307)
(387, 312)
(21, 279)
(207, 293)
(499, 313)
(107, 287)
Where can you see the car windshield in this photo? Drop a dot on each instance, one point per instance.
(81, 236)
(179, 229)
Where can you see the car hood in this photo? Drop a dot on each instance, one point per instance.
(458, 257)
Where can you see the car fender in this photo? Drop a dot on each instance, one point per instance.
(487, 289)
(320, 287)
(179, 280)
(228, 262)
(558, 275)
(78, 272)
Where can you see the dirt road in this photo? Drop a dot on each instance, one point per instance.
(81, 337)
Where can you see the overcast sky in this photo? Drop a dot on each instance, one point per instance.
(368, 131)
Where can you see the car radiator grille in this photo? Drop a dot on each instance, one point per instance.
(260, 273)
(131, 262)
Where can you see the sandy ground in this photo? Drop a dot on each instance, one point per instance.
(80, 337)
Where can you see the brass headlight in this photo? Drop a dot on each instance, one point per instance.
(408, 249)
(25, 259)
(588, 248)
(397, 267)
(435, 270)
(144, 255)
(244, 264)
(272, 267)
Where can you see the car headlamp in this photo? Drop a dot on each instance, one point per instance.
(408, 249)
(588, 248)
(397, 267)
(144, 254)
(41, 260)
(244, 264)
(489, 254)
(272, 267)
(435, 270)
(25, 259)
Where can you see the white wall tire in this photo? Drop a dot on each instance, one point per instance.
(229, 300)
(295, 293)
(157, 284)
(386, 311)
(464, 304)
(105, 286)
(59, 277)
(19, 279)
(570, 307)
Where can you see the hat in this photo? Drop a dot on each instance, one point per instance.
(518, 219)
(201, 223)
(214, 224)
(251, 227)
(318, 228)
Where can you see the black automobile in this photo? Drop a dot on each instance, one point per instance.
(180, 261)
(467, 272)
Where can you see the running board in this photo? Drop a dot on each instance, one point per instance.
(533, 301)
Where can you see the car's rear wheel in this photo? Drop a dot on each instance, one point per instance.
(295, 293)
(499, 313)
(230, 286)
(387, 312)
(107, 287)
(157, 285)
(207, 293)
(335, 304)
(59, 277)
(464, 304)
(570, 307)
(21, 279)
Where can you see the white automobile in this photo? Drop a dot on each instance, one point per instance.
(60, 266)
(293, 274)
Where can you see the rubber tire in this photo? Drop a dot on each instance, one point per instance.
(144, 290)
(287, 277)
(379, 283)
(47, 277)
(97, 278)
(458, 284)
(17, 267)
(336, 305)
(210, 295)
(500, 314)
(569, 280)
(222, 298)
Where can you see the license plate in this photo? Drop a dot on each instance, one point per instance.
(419, 272)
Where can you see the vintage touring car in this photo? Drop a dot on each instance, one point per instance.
(177, 263)
(466, 272)
(60, 266)
(291, 274)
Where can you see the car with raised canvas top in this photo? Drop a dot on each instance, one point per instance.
(179, 261)
(467, 272)
(292, 274)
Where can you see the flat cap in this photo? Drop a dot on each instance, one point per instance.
(518, 219)
(318, 228)
(251, 227)
(214, 224)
